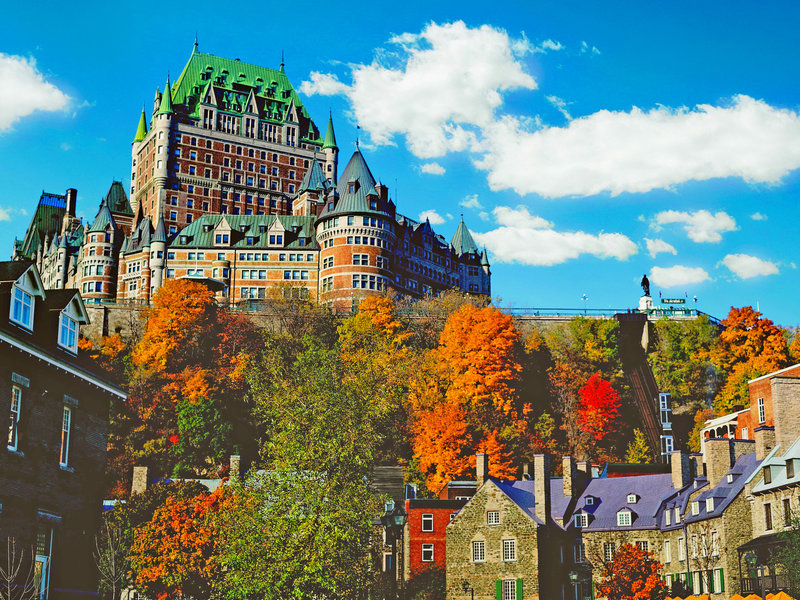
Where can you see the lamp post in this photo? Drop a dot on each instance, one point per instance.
(468, 588)
(584, 298)
(394, 521)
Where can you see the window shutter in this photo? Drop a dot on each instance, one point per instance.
(519, 589)
(721, 580)
(499, 594)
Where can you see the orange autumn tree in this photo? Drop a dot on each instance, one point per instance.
(465, 398)
(174, 555)
(749, 346)
(632, 575)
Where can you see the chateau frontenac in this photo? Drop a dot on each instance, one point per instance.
(233, 184)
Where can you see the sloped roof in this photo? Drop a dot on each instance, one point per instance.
(462, 241)
(140, 237)
(103, 219)
(611, 494)
(141, 130)
(13, 270)
(117, 200)
(46, 221)
(196, 237)
(160, 233)
(330, 136)
(521, 493)
(777, 462)
(355, 183)
(165, 107)
(314, 179)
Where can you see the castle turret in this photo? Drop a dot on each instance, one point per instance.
(158, 253)
(331, 151)
(162, 123)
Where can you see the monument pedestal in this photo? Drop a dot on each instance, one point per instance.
(645, 303)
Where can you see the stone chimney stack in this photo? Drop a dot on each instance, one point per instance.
(785, 413)
(681, 469)
(235, 462)
(568, 467)
(765, 441)
(718, 459)
(140, 477)
(481, 468)
(541, 480)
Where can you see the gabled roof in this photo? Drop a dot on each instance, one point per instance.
(140, 237)
(777, 462)
(522, 494)
(200, 233)
(11, 270)
(58, 300)
(46, 221)
(355, 183)
(462, 241)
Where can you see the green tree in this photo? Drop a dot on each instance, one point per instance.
(638, 451)
(787, 555)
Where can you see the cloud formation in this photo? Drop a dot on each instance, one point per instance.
(757, 216)
(23, 90)
(432, 168)
(745, 266)
(530, 240)
(701, 226)
(667, 277)
(431, 215)
(448, 82)
(655, 247)
(472, 202)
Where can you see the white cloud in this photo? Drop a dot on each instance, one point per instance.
(530, 240)
(586, 48)
(484, 216)
(24, 90)
(667, 277)
(701, 226)
(757, 216)
(5, 214)
(431, 215)
(639, 151)
(654, 247)
(472, 202)
(524, 46)
(432, 168)
(446, 83)
(746, 266)
(560, 105)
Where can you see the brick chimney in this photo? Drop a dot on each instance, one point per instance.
(681, 469)
(235, 462)
(541, 487)
(765, 441)
(140, 477)
(786, 417)
(481, 468)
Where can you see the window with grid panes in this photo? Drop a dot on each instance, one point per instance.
(509, 550)
(478, 551)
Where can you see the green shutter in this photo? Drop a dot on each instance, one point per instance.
(499, 594)
(519, 589)
(721, 580)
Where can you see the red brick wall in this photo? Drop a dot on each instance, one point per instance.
(417, 537)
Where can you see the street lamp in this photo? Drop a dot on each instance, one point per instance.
(468, 588)
(584, 298)
(393, 521)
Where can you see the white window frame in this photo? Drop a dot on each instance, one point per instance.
(509, 589)
(427, 549)
(21, 303)
(14, 416)
(68, 333)
(632, 498)
(581, 520)
(427, 522)
(681, 549)
(695, 508)
(493, 517)
(589, 501)
(66, 428)
(643, 545)
(677, 515)
(609, 550)
(624, 518)
(709, 504)
(668, 517)
(509, 550)
(667, 552)
(762, 411)
(478, 551)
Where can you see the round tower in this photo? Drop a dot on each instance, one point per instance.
(158, 256)
(331, 152)
(162, 124)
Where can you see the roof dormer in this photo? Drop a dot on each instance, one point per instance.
(624, 517)
(27, 286)
(69, 319)
(632, 498)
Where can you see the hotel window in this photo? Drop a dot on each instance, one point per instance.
(65, 429)
(22, 308)
(427, 552)
(509, 550)
(16, 411)
(68, 333)
(427, 522)
(478, 551)
(623, 518)
(762, 413)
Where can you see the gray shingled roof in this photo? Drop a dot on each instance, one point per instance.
(358, 178)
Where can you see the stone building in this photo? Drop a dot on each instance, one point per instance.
(57, 418)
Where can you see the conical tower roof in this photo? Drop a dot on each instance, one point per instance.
(141, 131)
(485, 258)
(314, 179)
(160, 234)
(330, 136)
(103, 218)
(355, 185)
(462, 241)
(165, 108)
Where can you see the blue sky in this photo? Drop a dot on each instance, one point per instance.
(585, 143)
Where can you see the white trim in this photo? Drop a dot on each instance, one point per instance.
(773, 373)
(4, 337)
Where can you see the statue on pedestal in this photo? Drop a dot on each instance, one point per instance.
(645, 285)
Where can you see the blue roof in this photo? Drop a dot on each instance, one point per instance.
(611, 495)
(522, 494)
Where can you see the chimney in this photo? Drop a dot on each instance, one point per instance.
(481, 468)
(681, 469)
(72, 200)
(235, 461)
(568, 468)
(526, 471)
(541, 487)
(765, 441)
(742, 447)
(785, 416)
(718, 459)
(140, 477)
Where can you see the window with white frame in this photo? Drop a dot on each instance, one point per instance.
(427, 552)
(668, 517)
(693, 546)
(589, 501)
(677, 515)
(609, 550)
(66, 424)
(509, 589)
(667, 552)
(714, 543)
(68, 333)
(643, 545)
(22, 308)
(762, 412)
(16, 411)
(581, 520)
(509, 550)
(632, 498)
(681, 549)
(709, 504)
(578, 552)
(493, 517)
(478, 551)
(623, 518)
(427, 522)
(695, 507)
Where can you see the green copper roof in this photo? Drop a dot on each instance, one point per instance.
(231, 81)
(160, 234)
(165, 108)
(330, 136)
(462, 240)
(103, 219)
(355, 184)
(314, 179)
(117, 200)
(485, 258)
(46, 221)
(141, 131)
(198, 234)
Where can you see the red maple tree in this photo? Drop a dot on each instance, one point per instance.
(632, 575)
(598, 408)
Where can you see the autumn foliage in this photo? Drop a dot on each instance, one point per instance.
(598, 408)
(632, 575)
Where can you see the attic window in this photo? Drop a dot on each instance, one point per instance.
(581, 520)
(730, 477)
(696, 507)
(251, 240)
(22, 308)
(589, 501)
(709, 504)
(632, 498)
(623, 518)
(68, 333)
(184, 239)
(330, 205)
(262, 228)
(351, 188)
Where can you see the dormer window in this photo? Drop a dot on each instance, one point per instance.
(767, 475)
(709, 504)
(632, 498)
(68, 333)
(695, 507)
(624, 518)
(351, 188)
(730, 478)
(373, 205)
(581, 520)
(22, 308)
(589, 501)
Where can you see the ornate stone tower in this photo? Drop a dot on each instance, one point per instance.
(331, 151)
